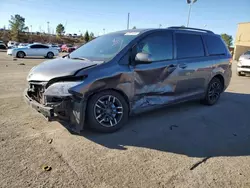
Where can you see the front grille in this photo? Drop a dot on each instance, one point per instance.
(36, 90)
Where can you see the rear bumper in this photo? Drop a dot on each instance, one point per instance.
(74, 112)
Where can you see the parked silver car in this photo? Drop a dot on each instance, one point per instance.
(128, 72)
(33, 50)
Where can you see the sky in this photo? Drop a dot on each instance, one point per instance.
(220, 16)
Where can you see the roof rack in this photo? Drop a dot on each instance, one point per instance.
(190, 28)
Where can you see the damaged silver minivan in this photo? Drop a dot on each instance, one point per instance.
(128, 72)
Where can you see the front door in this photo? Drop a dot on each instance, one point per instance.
(154, 81)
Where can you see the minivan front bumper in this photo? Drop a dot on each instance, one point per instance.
(47, 112)
(73, 118)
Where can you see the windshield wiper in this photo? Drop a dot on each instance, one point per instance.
(81, 58)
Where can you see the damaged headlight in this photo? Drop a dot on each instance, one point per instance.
(60, 88)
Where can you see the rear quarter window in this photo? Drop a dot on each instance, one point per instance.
(215, 45)
(43, 46)
(189, 45)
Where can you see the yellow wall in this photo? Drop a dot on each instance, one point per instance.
(243, 34)
(242, 40)
(239, 50)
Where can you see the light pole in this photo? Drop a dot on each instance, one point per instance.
(4, 33)
(128, 21)
(48, 31)
(30, 33)
(190, 2)
(48, 27)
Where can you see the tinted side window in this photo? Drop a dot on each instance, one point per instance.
(189, 45)
(215, 45)
(42, 46)
(158, 45)
(34, 46)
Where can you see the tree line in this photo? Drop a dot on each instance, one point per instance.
(17, 26)
(60, 30)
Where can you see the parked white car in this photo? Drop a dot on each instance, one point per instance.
(243, 66)
(12, 44)
(33, 50)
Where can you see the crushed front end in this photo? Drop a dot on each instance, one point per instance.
(54, 102)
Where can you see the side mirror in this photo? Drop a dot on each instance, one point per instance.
(143, 58)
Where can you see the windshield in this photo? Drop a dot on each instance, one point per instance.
(103, 48)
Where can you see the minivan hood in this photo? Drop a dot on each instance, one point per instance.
(57, 68)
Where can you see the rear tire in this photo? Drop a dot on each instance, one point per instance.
(107, 111)
(20, 54)
(213, 92)
(50, 55)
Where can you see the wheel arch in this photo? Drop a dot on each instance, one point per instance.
(109, 89)
(51, 52)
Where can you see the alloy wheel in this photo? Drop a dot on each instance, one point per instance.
(50, 55)
(214, 91)
(108, 111)
(20, 54)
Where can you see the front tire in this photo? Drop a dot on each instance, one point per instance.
(107, 111)
(214, 90)
(20, 54)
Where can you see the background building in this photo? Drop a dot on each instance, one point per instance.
(242, 40)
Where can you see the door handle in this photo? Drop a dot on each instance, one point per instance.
(183, 66)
